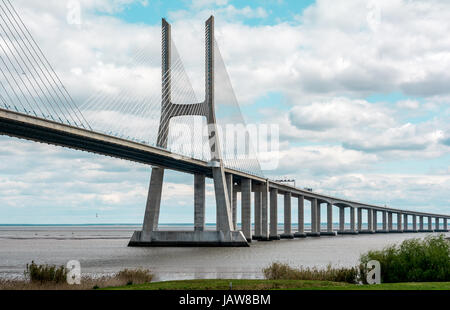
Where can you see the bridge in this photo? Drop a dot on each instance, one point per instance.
(36, 106)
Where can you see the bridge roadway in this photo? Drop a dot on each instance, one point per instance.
(20, 125)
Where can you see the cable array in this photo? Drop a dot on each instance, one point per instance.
(28, 82)
(238, 149)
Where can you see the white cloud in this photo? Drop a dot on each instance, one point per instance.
(408, 104)
(196, 4)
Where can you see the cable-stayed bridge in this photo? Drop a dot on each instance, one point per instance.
(172, 129)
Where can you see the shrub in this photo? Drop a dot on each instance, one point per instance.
(279, 271)
(135, 276)
(414, 260)
(45, 273)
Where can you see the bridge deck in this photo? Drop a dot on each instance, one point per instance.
(44, 131)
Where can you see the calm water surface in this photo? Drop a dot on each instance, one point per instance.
(103, 250)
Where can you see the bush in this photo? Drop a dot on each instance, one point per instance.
(45, 273)
(279, 271)
(135, 276)
(414, 260)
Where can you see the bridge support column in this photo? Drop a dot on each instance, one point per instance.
(329, 217)
(264, 212)
(359, 219)
(445, 224)
(151, 217)
(369, 220)
(274, 214)
(436, 224)
(414, 220)
(352, 220)
(405, 222)
(258, 213)
(230, 187)
(199, 202)
(314, 221)
(390, 226)
(384, 219)
(318, 216)
(421, 223)
(234, 207)
(341, 219)
(430, 224)
(374, 220)
(399, 222)
(246, 204)
(329, 231)
(301, 218)
(287, 217)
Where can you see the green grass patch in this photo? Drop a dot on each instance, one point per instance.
(279, 285)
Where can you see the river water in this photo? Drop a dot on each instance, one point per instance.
(103, 250)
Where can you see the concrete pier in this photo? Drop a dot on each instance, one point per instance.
(384, 221)
(234, 207)
(369, 221)
(329, 231)
(199, 202)
(188, 239)
(287, 218)
(414, 220)
(374, 221)
(230, 188)
(352, 220)
(329, 217)
(341, 219)
(445, 225)
(274, 214)
(405, 222)
(318, 216)
(399, 223)
(301, 218)
(151, 216)
(359, 219)
(258, 212)
(264, 212)
(246, 203)
(314, 221)
(390, 223)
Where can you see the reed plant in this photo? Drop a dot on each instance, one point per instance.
(414, 260)
(280, 271)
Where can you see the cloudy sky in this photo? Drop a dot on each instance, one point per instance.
(359, 90)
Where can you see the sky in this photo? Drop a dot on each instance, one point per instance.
(359, 90)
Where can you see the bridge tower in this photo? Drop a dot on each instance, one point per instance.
(224, 235)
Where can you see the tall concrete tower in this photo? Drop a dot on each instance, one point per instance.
(224, 234)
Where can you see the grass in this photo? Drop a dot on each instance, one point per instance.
(279, 285)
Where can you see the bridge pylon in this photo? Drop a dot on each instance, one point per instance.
(225, 233)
